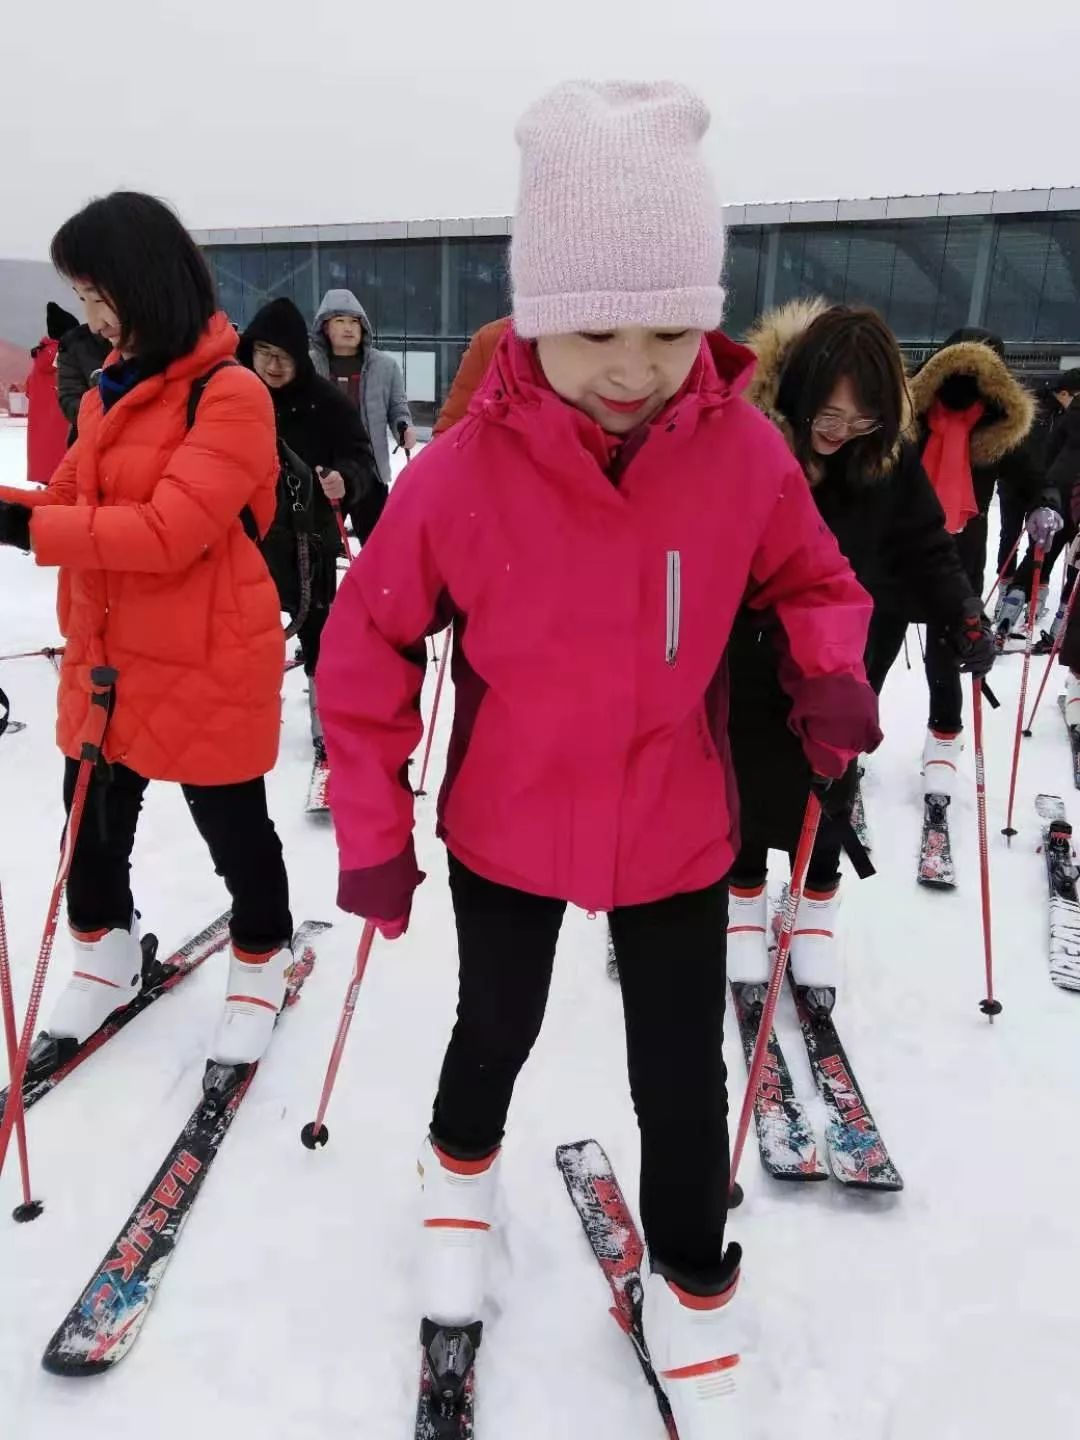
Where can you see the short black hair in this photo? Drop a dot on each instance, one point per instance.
(134, 250)
(1068, 382)
(852, 343)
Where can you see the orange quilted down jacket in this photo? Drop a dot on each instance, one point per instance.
(471, 372)
(159, 579)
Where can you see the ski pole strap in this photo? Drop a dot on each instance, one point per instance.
(990, 698)
(303, 560)
(5, 711)
(103, 679)
(855, 850)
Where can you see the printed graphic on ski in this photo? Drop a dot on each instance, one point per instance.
(50, 1063)
(785, 1135)
(936, 868)
(857, 1153)
(616, 1242)
(104, 1322)
(1074, 743)
(1062, 875)
(317, 802)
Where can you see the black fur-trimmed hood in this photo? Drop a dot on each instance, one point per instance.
(1010, 408)
(772, 339)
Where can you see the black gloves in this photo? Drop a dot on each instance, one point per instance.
(972, 640)
(15, 525)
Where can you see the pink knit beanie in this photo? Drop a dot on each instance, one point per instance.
(617, 221)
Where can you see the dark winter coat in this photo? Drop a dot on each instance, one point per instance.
(1063, 471)
(320, 425)
(891, 528)
(81, 356)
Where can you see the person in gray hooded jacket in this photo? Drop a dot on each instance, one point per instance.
(343, 350)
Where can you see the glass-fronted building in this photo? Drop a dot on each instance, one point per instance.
(1009, 260)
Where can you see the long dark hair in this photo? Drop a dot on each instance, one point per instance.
(853, 344)
(136, 253)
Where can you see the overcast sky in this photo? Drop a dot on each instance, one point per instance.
(251, 112)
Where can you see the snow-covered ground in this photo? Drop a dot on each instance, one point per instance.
(948, 1312)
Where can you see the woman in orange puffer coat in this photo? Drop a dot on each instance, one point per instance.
(149, 520)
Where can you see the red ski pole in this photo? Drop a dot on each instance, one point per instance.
(103, 679)
(315, 1132)
(1059, 640)
(1004, 570)
(434, 714)
(29, 1209)
(811, 821)
(989, 1007)
(341, 528)
(1036, 579)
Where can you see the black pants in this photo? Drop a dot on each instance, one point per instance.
(672, 972)
(1013, 513)
(238, 831)
(823, 873)
(1026, 572)
(365, 513)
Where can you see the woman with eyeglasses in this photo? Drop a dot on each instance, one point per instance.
(832, 380)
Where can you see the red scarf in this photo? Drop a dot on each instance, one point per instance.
(947, 461)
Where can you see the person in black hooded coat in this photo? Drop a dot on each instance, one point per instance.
(79, 358)
(832, 380)
(318, 424)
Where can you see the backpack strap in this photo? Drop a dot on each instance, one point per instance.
(195, 394)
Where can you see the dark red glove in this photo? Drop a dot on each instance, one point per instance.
(836, 718)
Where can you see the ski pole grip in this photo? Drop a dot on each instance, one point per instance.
(104, 677)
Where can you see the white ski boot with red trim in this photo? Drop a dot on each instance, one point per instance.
(941, 762)
(107, 975)
(694, 1346)
(253, 1001)
(747, 935)
(458, 1212)
(1072, 700)
(815, 951)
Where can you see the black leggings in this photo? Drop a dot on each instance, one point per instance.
(238, 831)
(671, 967)
(751, 868)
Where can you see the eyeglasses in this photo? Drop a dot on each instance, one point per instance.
(831, 425)
(270, 355)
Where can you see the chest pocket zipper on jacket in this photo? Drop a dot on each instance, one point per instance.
(674, 604)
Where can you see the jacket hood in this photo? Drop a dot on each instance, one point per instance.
(279, 323)
(772, 340)
(340, 302)
(1010, 408)
(515, 386)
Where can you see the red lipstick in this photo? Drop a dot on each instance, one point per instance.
(624, 407)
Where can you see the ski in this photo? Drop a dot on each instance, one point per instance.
(616, 1242)
(105, 1321)
(317, 802)
(1074, 742)
(859, 822)
(857, 1153)
(785, 1135)
(1062, 875)
(936, 868)
(52, 1061)
(446, 1400)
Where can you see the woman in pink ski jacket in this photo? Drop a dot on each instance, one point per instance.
(591, 528)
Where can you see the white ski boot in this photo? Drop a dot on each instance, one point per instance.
(1009, 613)
(106, 976)
(253, 1000)
(694, 1346)
(1072, 700)
(458, 1212)
(815, 953)
(1042, 605)
(747, 935)
(941, 756)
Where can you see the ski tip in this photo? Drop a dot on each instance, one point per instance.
(59, 1362)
